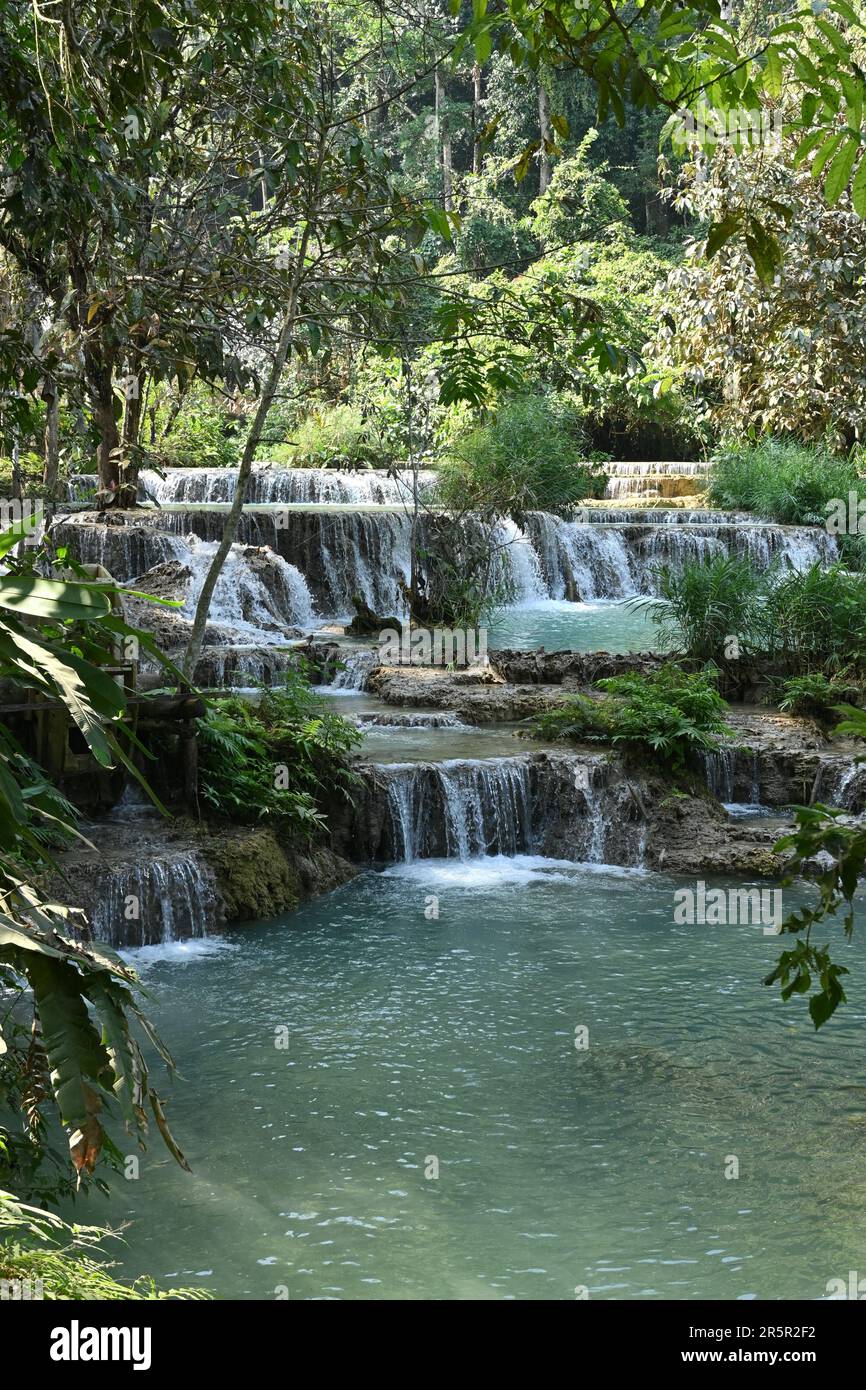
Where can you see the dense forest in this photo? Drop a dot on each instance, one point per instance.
(319, 319)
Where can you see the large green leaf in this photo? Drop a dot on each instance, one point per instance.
(57, 599)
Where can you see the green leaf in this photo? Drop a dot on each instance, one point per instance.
(721, 232)
(858, 189)
(840, 171)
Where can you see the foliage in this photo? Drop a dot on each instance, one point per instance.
(37, 1245)
(816, 620)
(275, 759)
(204, 433)
(56, 638)
(723, 608)
(492, 235)
(528, 458)
(817, 694)
(769, 327)
(580, 203)
(780, 480)
(336, 436)
(666, 714)
(704, 604)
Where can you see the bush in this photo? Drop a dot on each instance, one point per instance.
(818, 695)
(528, 458)
(664, 715)
(491, 235)
(816, 620)
(580, 203)
(703, 605)
(277, 759)
(780, 480)
(36, 1245)
(336, 436)
(205, 434)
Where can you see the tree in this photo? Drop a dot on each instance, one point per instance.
(784, 354)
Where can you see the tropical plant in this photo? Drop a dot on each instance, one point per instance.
(817, 694)
(276, 758)
(780, 480)
(666, 714)
(56, 638)
(704, 606)
(530, 457)
(55, 1259)
(815, 620)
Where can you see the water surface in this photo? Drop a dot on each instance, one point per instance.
(413, 1038)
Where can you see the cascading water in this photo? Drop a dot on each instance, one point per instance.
(353, 672)
(288, 486)
(170, 897)
(563, 805)
(654, 479)
(458, 809)
(258, 599)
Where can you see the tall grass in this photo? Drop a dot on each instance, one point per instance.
(780, 480)
(723, 608)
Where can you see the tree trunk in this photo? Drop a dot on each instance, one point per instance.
(444, 141)
(544, 135)
(50, 439)
(196, 640)
(130, 454)
(98, 371)
(477, 93)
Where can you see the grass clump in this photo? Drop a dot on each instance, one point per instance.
(781, 480)
(665, 715)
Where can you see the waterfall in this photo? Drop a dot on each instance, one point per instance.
(458, 809)
(327, 558)
(412, 719)
(719, 769)
(243, 666)
(356, 667)
(269, 484)
(340, 554)
(80, 487)
(522, 566)
(580, 561)
(565, 806)
(654, 479)
(125, 551)
(158, 900)
(255, 594)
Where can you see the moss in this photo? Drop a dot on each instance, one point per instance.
(258, 877)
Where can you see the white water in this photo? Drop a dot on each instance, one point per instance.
(273, 484)
(241, 600)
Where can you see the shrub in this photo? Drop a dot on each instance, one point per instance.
(205, 434)
(36, 1245)
(242, 745)
(817, 695)
(780, 480)
(816, 619)
(528, 458)
(665, 715)
(580, 203)
(491, 235)
(337, 436)
(703, 605)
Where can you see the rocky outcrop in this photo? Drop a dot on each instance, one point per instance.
(153, 881)
(257, 877)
